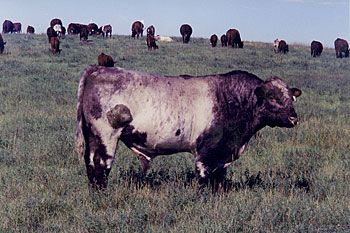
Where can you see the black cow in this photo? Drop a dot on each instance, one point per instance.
(186, 32)
(213, 117)
(137, 29)
(151, 43)
(55, 21)
(234, 38)
(213, 40)
(30, 29)
(2, 43)
(7, 26)
(316, 48)
(84, 32)
(282, 47)
(341, 46)
(50, 32)
(151, 31)
(223, 39)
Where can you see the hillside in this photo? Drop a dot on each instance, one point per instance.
(287, 180)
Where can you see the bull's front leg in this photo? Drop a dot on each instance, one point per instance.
(210, 174)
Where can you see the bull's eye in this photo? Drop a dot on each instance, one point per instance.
(273, 100)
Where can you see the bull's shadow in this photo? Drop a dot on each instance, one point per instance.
(156, 179)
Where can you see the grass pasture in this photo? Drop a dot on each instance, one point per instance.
(288, 180)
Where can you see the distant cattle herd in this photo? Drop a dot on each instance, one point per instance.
(232, 38)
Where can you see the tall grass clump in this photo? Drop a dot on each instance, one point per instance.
(287, 180)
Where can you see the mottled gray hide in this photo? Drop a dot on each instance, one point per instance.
(213, 117)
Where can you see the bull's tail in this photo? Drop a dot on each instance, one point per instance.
(79, 136)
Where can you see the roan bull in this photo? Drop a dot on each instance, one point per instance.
(213, 117)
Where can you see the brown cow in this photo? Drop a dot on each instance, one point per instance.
(151, 31)
(55, 45)
(151, 43)
(223, 40)
(234, 38)
(107, 29)
(137, 29)
(186, 32)
(213, 40)
(105, 60)
(93, 29)
(30, 29)
(84, 32)
(55, 21)
(74, 28)
(51, 33)
(341, 46)
(283, 47)
(2, 43)
(316, 48)
(17, 27)
(7, 26)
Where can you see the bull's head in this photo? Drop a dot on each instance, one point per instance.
(276, 100)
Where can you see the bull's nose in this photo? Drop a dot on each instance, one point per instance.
(293, 120)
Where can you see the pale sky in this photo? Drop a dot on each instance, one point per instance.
(296, 21)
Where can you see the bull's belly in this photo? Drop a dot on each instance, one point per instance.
(155, 143)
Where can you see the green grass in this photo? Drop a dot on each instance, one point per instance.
(288, 180)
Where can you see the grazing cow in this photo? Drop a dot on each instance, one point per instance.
(7, 26)
(213, 117)
(30, 29)
(223, 39)
(213, 40)
(316, 48)
(84, 32)
(55, 45)
(234, 38)
(275, 45)
(74, 28)
(17, 27)
(107, 29)
(50, 32)
(186, 32)
(151, 31)
(282, 47)
(55, 21)
(341, 46)
(2, 43)
(105, 60)
(93, 29)
(151, 43)
(137, 29)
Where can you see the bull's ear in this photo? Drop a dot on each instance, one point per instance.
(260, 94)
(295, 92)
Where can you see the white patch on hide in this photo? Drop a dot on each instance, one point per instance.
(201, 169)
